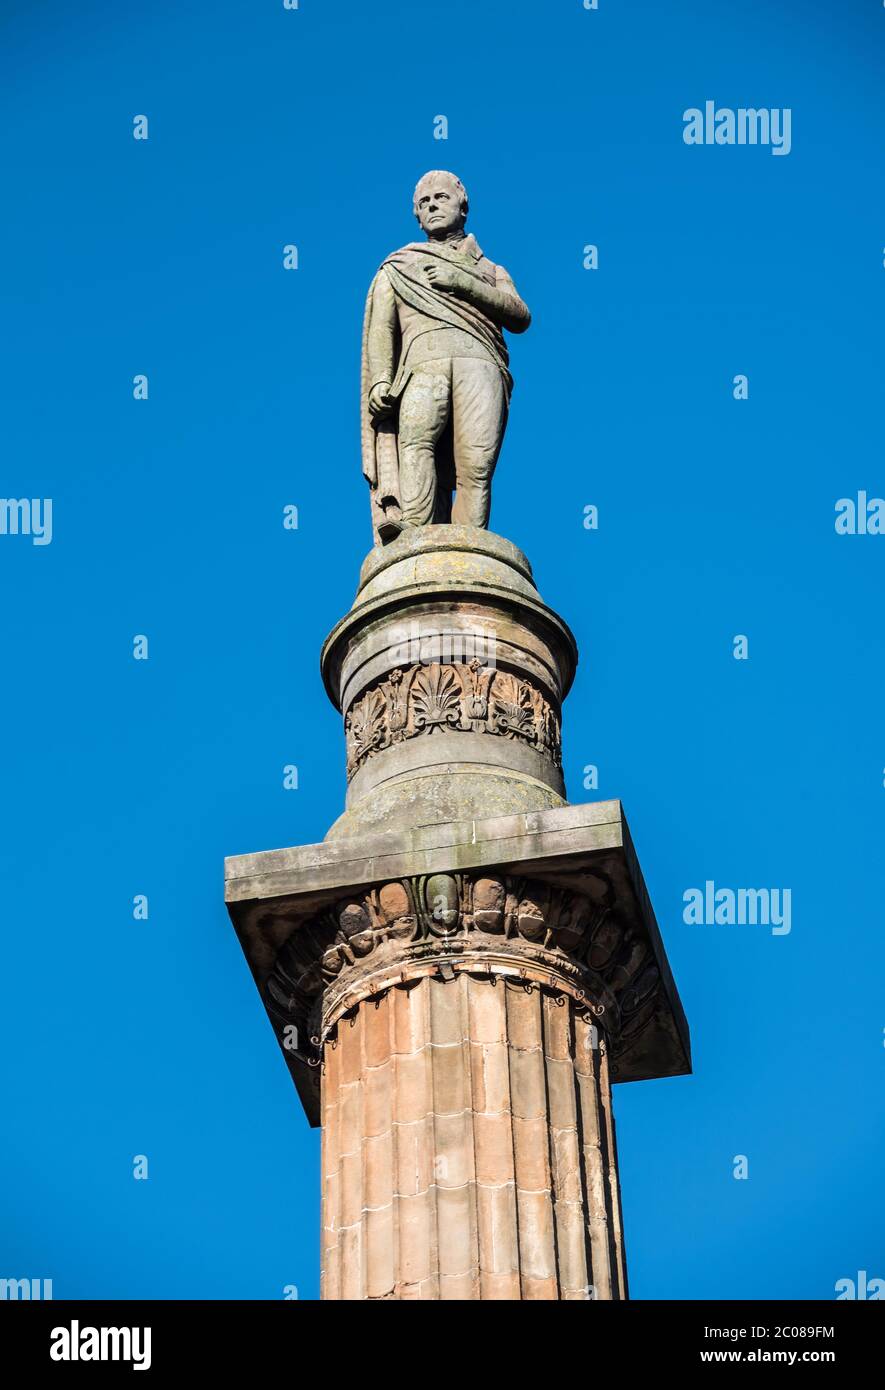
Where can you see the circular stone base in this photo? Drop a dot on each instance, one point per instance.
(450, 672)
(443, 794)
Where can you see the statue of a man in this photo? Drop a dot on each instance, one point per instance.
(435, 379)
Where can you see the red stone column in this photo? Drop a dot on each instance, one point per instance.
(468, 1146)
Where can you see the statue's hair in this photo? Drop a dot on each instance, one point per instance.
(441, 174)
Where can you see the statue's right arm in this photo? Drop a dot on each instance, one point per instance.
(381, 343)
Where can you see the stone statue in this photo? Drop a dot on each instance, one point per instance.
(435, 379)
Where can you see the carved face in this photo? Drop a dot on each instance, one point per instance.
(438, 205)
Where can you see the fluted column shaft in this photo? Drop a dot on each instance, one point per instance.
(468, 1147)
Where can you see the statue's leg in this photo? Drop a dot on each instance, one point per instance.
(479, 412)
(423, 412)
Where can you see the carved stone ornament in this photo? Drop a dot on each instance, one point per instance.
(529, 930)
(466, 697)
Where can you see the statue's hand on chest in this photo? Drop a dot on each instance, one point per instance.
(443, 275)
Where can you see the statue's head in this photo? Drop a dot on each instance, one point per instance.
(440, 203)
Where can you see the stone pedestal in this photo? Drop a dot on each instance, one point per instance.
(465, 965)
(450, 673)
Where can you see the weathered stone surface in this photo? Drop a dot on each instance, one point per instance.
(602, 925)
(473, 1201)
(435, 383)
(450, 673)
(458, 973)
(465, 1021)
(466, 1042)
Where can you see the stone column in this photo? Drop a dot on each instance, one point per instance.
(468, 1147)
(459, 972)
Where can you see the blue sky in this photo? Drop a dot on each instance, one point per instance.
(164, 257)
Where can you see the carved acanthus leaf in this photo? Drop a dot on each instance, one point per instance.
(467, 697)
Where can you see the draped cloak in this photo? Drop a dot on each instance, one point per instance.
(404, 269)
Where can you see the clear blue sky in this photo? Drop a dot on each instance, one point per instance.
(164, 257)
